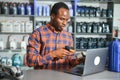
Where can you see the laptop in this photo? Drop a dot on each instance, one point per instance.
(95, 61)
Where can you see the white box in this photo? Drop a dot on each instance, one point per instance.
(16, 27)
(6, 27)
(28, 26)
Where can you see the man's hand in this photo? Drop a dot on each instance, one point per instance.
(81, 56)
(71, 49)
(60, 53)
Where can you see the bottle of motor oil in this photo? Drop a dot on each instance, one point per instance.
(90, 43)
(32, 8)
(89, 27)
(1, 44)
(39, 10)
(106, 28)
(10, 8)
(110, 13)
(94, 43)
(70, 28)
(18, 8)
(104, 13)
(0, 7)
(78, 27)
(86, 11)
(99, 27)
(83, 43)
(77, 43)
(28, 9)
(5, 9)
(84, 27)
(21, 8)
(13, 8)
(97, 12)
(82, 12)
(101, 42)
(95, 27)
(91, 11)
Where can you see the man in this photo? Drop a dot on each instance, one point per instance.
(46, 45)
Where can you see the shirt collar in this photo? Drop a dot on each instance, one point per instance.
(53, 29)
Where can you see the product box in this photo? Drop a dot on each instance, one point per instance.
(6, 27)
(28, 26)
(16, 27)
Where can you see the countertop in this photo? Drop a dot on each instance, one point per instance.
(57, 75)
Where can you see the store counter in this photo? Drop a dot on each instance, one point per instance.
(57, 75)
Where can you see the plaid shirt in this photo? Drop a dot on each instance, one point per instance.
(42, 41)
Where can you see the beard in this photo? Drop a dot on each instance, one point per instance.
(58, 28)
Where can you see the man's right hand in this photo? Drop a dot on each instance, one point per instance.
(60, 53)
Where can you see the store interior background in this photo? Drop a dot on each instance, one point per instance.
(19, 37)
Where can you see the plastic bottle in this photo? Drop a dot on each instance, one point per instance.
(23, 45)
(70, 28)
(78, 28)
(8, 61)
(5, 9)
(98, 12)
(28, 9)
(0, 7)
(14, 8)
(13, 44)
(1, 44)
(39, 10)
(21, 8)
(114, 55)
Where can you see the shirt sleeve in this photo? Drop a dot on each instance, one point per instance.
(34, 58)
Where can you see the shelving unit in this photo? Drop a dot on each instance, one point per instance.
(91, 4)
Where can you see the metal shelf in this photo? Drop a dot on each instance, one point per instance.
(93, 33)
(8, 15)
(95, 17)
(56, 0)
(13, 33)
(96, 1)
(8, 50)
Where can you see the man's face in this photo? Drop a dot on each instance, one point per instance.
(60, 20)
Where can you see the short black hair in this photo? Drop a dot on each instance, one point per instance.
(57, 6)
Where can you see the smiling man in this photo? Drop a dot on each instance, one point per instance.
(46, 45)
